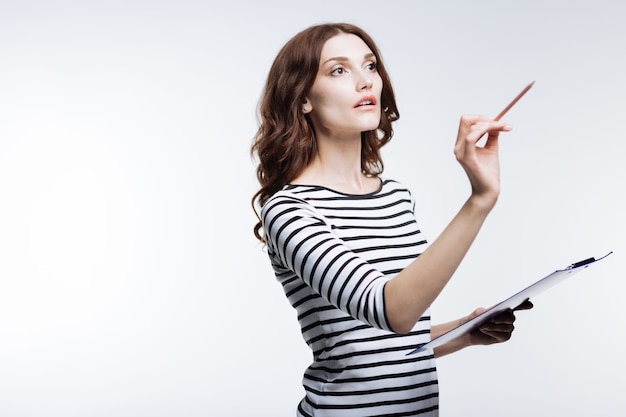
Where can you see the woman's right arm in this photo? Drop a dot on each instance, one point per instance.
(412, 291)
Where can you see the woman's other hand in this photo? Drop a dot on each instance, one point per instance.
(497, 330)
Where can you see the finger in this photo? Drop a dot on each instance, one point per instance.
(525, 305)
(506, 317)
(478, 312)
(498, 331)
(479, 128)
(467, 124)
(492, 141)
(497, 327)
(497, 336)
(467, 120)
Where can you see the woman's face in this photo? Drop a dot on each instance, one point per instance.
(345, 96)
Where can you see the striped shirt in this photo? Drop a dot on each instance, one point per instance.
(333, 253)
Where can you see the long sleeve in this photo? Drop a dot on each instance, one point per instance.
(299, 238)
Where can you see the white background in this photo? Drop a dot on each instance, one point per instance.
(130, 282)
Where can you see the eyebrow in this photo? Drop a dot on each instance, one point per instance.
(345, 58)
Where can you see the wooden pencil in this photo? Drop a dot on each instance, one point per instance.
(512, 103)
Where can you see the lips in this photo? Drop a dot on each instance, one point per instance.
(366, 101)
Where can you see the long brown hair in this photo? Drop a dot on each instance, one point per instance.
(285, 142)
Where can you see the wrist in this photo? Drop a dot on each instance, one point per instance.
(483, 203)
(466, 339)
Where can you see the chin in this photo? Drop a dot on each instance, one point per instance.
(372, 126)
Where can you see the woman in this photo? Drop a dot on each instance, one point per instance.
(343, 241)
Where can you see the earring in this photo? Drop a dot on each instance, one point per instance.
(306, 108)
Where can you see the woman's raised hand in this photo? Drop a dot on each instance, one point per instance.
(481, 163)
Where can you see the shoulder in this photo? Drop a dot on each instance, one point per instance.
(397, 191)
(389, 185)
(288, 217)
(289, 195)
(288, 201)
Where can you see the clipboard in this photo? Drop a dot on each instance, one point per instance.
(510, 303)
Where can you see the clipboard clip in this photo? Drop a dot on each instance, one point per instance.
(586, 261)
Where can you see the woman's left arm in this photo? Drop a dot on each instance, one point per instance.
(497, 330)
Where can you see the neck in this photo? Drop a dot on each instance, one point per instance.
(337, 165)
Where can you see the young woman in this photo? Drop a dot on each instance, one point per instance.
(344, 242)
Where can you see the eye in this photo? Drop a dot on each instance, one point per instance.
(338, 70)
(372, 66)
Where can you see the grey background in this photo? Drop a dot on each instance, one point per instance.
(130, 282)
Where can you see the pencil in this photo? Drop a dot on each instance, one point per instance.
(512, 103)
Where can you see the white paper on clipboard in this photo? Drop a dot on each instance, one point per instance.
(510, 303)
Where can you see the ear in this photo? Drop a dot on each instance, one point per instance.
(307, 107)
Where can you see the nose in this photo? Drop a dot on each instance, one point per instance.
(365, 83)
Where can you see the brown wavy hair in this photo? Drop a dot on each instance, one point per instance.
(285, 142)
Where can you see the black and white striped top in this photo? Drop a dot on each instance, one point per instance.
(333, 253)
